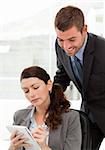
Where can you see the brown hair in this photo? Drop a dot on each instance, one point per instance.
(68, 17)
(59, 103)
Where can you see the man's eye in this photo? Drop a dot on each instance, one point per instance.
(60, 40)
(72, 40)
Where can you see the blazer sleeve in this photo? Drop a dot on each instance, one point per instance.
(73, 135)
(61, 76)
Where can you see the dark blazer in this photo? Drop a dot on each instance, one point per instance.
(93, 88)
(66, 137)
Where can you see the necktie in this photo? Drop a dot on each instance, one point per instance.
(77, 68)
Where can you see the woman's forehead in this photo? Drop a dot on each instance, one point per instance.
(31, 81)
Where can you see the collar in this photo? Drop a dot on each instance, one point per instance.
(32, 112)
(79, 54)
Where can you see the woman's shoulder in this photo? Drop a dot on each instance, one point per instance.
(71, 112)
(24, 111)
(71, 115)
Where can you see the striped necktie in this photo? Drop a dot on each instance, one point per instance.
(77, 68)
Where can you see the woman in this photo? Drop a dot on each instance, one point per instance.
(49, 109)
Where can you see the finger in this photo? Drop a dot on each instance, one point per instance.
(39, 130)
(13, 134)
(26, 145)
(20, 142)
(18, 139)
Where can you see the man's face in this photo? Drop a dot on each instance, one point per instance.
(71, 40)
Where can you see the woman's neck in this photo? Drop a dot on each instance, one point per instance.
(40, 114)
(40, 117)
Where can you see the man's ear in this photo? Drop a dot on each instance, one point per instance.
(49, 85)
(85, 28)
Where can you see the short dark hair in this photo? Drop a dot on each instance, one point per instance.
(68, 17)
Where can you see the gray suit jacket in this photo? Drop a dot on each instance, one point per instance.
(66, 137)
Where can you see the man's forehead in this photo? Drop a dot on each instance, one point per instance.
(68, 34)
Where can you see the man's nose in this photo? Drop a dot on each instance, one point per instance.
(67, 44)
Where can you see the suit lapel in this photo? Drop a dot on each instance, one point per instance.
(25, 121)
(68, 68)
(55, 139)
(65, 59)
(88, 60)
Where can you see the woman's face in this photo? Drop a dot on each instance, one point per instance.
(36, 91)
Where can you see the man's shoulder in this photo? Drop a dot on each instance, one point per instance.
(96, 37)
(96, 42)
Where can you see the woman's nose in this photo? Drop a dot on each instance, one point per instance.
(31, 93)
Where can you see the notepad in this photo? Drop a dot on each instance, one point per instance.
(24, 130)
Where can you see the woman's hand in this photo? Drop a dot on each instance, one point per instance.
(18, 140)
(40, 135)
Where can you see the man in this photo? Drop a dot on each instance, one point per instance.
(89, 49)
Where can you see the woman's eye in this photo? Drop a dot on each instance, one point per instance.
(26, 91)
(36, 87)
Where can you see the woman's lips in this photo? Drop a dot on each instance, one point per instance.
(34, 100)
